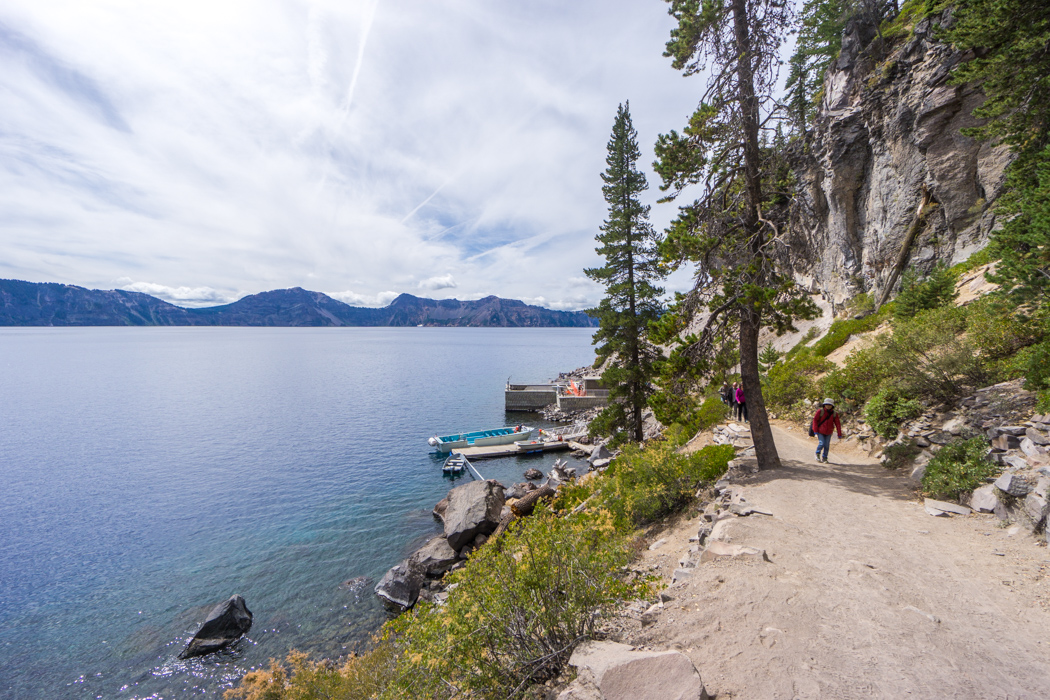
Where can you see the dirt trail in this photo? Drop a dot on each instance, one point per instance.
(865, 594)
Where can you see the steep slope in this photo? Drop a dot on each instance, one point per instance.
(887, 135)
(52, 304)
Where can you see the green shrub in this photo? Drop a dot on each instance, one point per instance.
(792, 380)
(840, 331)
(960, 467)
(937, 290)
(1037, 367)
(802, 344)
(519, 609)
(683, 410)
(998, 330)
(642, 485)
(860, 377)
(1042, 404)
(928, 358)
(888, 409)
(981, 257)
(360, 677)
(900, 454)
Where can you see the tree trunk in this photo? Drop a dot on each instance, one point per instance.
(765, 448)
(750, 322)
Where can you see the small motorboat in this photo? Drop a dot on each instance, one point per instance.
(455, 464)
(481, 438)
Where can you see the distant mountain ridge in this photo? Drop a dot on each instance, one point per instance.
(54, 304)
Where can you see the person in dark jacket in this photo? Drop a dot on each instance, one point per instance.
(726, 394)
(825, 421)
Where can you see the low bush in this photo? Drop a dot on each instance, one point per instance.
(840, 331)
(792, 380)
(998, 330)
(642, 485)
(519, 609)
(959, 467)
(1037, 367)
(900, 454)
(860, 377)
(360, 677)
(927, 356)
(888, 409)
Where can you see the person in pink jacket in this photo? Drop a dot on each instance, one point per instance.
(741, 404)
(825, 422)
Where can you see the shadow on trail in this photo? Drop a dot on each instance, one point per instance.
(867, 479)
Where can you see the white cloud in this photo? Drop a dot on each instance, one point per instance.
(355, 299)
(181, 296)
(264, 145)
(436, 283)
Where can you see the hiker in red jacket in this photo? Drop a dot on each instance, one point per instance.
(824, 422)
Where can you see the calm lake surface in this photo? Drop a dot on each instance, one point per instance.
(147, 474)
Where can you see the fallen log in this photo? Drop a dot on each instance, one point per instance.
(525, 505)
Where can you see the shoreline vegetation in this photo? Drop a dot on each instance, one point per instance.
(509, 619)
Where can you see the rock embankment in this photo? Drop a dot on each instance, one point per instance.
(472, 514)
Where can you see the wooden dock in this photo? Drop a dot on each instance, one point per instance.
(493, 451)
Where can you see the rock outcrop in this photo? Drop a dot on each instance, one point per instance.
(612, 671)
(886, 139)
(473, 509)
(399, 588)
(226, 623)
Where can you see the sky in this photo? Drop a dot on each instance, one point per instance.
(202, 151)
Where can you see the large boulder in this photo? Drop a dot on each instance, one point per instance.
(619, 672)
(225, 624)
(1013, 484)
(399, 588)
(434, 558)
(599, 452)
(473, 509)
(984, 499)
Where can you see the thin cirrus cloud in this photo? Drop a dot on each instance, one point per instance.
(205, 151)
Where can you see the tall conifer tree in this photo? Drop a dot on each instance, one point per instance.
(732, 232)
(630, 248)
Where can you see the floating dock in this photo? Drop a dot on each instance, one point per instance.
(493, 451)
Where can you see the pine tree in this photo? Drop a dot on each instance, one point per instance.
(732, 231)
(630, 248)
(1012, 42)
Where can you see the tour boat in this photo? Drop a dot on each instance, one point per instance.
(480, 438)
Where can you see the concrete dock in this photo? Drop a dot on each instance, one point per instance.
(493, 451)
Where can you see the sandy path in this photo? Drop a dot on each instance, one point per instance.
(865, 595)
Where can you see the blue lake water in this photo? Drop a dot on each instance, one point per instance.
(149, 473)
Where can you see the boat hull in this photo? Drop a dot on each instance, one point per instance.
(480, 438)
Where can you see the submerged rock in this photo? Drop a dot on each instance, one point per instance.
(225, 624)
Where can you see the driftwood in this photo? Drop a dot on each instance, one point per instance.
(902, 257)
(504, 523)
(524, 506)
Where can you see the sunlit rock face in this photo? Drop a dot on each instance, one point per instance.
(888, 131)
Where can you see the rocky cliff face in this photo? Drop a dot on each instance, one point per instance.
(887, 138)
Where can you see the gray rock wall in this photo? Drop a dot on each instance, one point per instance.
(888, 129)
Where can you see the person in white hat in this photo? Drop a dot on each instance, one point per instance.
(825, 422)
